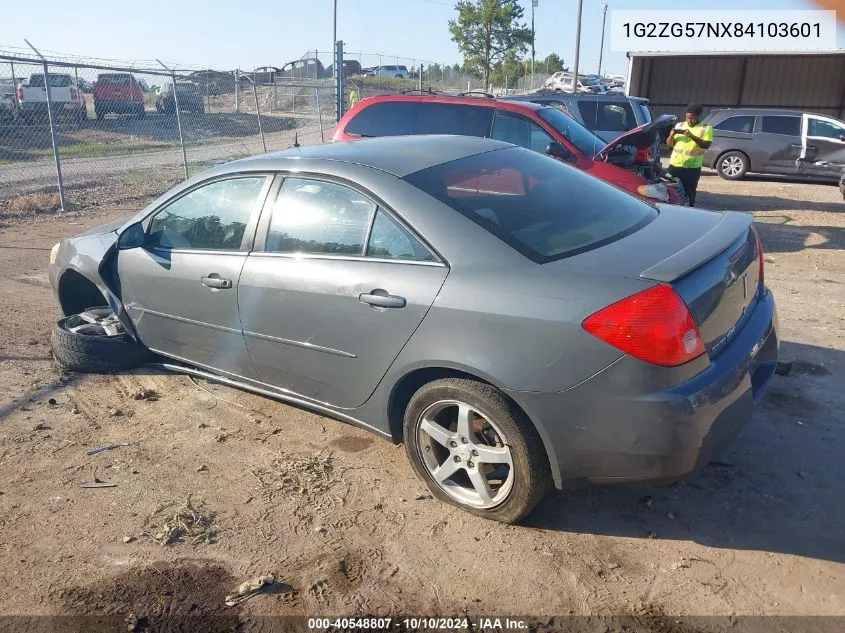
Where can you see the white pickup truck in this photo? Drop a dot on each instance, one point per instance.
(67, 99)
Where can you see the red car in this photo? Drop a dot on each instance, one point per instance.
(625, 162)
(119, 93)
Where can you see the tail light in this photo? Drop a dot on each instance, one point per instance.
(642, 156)
(20, 93)
(654, 325)
(760, 255)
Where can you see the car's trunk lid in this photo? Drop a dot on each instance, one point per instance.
(711, 259)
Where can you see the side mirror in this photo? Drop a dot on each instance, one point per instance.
(132, 237)
(560, 151)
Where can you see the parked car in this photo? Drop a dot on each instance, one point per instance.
(8, 100)
(66, 99)
(189, 95)
(118, 93)
(607, 116)
(561, 81)
(531, 125)
(790, 143)
(306, 68)
(435, 290)
(213, 82)
(390, 70)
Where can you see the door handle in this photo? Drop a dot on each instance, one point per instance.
(380, 299)
(215, 281)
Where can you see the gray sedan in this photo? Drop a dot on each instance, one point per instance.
(514, 321)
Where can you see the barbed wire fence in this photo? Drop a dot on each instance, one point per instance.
(78, 132)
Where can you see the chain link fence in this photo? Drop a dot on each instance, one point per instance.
(113, 132)
(117, 133)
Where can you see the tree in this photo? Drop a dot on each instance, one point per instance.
(507, 73)
(553, 63)
(486, 31)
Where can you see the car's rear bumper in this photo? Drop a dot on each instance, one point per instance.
(118, 106)
(633, 422)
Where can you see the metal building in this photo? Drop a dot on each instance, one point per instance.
(801, 80)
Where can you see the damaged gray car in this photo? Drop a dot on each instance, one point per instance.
(514, 321)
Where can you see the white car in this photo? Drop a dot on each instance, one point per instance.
(562, 82)
(390, 71)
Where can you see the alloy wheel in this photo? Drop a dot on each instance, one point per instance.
(465, 454)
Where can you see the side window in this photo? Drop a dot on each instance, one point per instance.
(448, 118)
(786, 125)
(737, 124)
(825, 129)
(212, 217)
(313, 216)
(608, 116)
(519, 130)
(388, 118)
(390, 240)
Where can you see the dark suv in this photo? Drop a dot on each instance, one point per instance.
(624, 162)
(801, 145)
(607, 116)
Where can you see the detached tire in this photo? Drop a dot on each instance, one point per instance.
(494, 465)
(86, 351)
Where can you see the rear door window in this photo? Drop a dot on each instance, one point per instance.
(743, 124)
(450, 118)
(608, 116)
(785, 125)
(388, 118)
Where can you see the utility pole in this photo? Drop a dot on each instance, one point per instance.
(334, 42)
(603, 21)
(577, 48)
(533, 38)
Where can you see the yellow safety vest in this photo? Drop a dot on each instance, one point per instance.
(354, 97)
(685, 151)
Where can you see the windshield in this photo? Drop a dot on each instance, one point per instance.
(537, 205)
(114, 80)
(572, 131)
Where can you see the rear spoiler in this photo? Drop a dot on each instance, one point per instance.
(731, 227)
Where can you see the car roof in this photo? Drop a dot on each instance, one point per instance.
(551, 96)
(480, 100)
(756, 111)
(397, 155)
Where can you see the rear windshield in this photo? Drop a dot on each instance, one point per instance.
(608, 116)
(56, 81)
(572, 131)
(114, 80)
(539, 206)
(188, 88)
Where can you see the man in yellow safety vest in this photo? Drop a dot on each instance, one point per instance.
(688, 141)
(354, 97)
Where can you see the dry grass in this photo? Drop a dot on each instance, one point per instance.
(188, 522)
(33, 203)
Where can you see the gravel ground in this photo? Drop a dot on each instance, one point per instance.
(337, 516)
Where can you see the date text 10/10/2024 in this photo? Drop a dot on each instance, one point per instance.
(418, 623)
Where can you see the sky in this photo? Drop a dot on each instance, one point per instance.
(226, 34)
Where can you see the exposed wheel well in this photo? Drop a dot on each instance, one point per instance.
(76, 293)
(728, 151)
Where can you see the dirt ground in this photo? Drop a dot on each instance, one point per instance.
(337, 516)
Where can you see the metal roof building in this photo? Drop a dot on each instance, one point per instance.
(801, 80)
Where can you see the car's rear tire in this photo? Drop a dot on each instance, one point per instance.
(495, 430)
(732, 165)
(92, 342)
